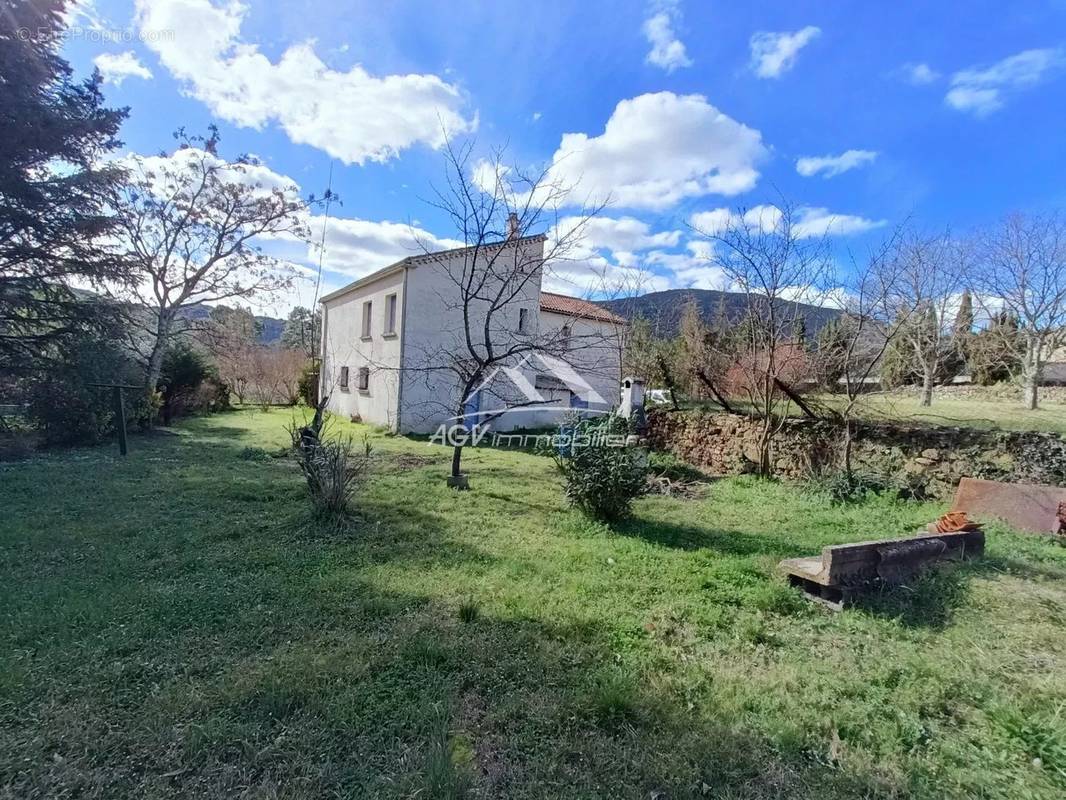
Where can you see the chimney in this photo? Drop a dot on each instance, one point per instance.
(512, 226)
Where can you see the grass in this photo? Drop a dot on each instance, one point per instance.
(990, 411)
(1003, 413)
(174, 625)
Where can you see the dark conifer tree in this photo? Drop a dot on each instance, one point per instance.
(53, 215)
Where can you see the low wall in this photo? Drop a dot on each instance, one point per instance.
(929, 458)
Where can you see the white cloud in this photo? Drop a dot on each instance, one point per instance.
(163, 172)
(658, 149)
(621, 235)
(831, 166)
(667, 51)
(116, 67)
(353, 247)
(920, 74)
(353, 116)
(982, 91)
(773, 54)
(357, 247)
(808, 221)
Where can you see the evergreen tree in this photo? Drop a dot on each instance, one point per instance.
(897, 363)
(302, 331)
(964, 318)
(52, 188)
(995, 353)
(829, 350)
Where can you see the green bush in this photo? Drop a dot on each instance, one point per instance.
(602, 478)
(841, 487)
(308, 384)
(62, 404)
(189, 384)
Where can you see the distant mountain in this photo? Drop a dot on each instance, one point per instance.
(663, 309)
(271, 328)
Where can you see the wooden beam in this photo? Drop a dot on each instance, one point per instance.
(795, 398)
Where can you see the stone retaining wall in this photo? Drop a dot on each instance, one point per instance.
(927, 459)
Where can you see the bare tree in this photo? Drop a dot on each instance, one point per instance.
(489, 296)
(869, 324)
(1020, 268)
(231, 336)
(928, 282)
(777, 262)
(274, 375)
(191, 223)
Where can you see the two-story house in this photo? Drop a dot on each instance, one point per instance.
(394, 341)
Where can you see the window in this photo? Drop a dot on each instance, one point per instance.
(364, 379)
(390, 314)
(368, 307)
(523, 322)
(564, 337)
(343, 382)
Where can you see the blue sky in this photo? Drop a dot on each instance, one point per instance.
(951, 114)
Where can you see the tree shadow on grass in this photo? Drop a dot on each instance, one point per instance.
(691, 537)
(928, 600)
(412, 696)
(245, 666)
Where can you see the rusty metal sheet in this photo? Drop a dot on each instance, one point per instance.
(1026, 506)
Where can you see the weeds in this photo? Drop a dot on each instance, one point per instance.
(468, 611)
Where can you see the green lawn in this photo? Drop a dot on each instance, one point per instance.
(991, 411)
(173, 626)
(1005, 413)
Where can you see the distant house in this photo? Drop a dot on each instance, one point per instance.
(387, 338)
(1055, 373)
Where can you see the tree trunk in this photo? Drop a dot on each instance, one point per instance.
(457, 458)
(848, 439)
(1031, 369)
(766, 469)
(155, 360)
(927, 386)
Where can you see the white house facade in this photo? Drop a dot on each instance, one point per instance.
(388, 338)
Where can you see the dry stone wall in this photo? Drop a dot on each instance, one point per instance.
(926, 459)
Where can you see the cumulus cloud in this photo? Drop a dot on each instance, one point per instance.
(919, 74)
(808, 221)
(624, 234)
(353, 115)
(830, 166)
(659, 149)
(667, 51)
(982, 91)
(353, 247)
(116, 67)
(357, 247)
(773, 54)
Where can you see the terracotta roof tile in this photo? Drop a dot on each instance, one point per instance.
(575, 307)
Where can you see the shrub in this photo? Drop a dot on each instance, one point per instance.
(63, 405)
(841, 487)
(333, 468)
(308, 384)
(602, 478)
(189, 384)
